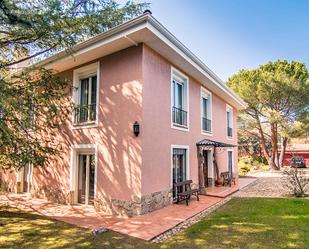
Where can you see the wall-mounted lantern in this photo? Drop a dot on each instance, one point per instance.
(136, 128)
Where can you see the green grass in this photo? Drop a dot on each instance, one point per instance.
(242, 223)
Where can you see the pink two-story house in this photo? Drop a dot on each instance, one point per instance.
(148, 113)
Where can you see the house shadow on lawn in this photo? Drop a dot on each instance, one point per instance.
(246, 223)
(19, 229)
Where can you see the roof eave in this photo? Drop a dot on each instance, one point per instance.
(157, 25)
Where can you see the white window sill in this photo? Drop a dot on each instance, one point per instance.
(179, 127)
(207, 133)
(85, 125)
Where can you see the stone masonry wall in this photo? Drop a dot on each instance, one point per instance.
(137, 206)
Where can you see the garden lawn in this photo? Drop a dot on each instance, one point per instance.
(241, 223)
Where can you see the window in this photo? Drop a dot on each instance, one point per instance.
(85, 95)
(83, 176)
(229, 121)
(206, 111)
(179, 166)
(85, 111)
(179, 100)
(86, 178)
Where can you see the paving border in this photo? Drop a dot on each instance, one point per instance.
(196, 218)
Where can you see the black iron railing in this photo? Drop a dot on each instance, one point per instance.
(84, 114)
(206, 124)
(229, 132)
(180, 116)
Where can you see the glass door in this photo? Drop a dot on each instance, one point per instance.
(230, 163)
(26, 178)
(86, 172)
(179, 168)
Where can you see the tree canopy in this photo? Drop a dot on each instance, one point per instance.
(277, 95)
(34, 100)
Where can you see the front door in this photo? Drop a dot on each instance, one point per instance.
(86, 172)
(179, 167)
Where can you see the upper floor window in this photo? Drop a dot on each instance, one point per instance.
(85, 95)
(179, 100)
(206, 108)
(229, 121)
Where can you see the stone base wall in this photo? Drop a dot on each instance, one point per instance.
(137, 206)
(117, 207)
(51, 194)
(155, 201)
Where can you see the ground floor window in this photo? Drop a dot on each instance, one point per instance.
(86, 174)
(179, 167)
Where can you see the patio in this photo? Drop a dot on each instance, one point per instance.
(225, 191)
(145, 227)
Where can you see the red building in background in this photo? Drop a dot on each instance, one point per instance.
(301, 150)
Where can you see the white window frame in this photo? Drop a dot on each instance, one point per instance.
(229, 109)
(180, 77)
(81, 73)
(187, 148)
(227, 156)
(77, 149)
(206, 94)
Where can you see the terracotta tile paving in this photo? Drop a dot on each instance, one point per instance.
(226, 190)
(144, 227)
(153, 224)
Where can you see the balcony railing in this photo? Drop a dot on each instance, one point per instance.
(84, 114)
(206, 124)
(179, 117)
(229, 132)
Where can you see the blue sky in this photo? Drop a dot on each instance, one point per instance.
(229, 35)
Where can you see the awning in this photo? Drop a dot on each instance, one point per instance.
(208, 142)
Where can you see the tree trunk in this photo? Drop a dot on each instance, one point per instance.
(263, 140)
(274, 147)
(272, 164)
(284, 141)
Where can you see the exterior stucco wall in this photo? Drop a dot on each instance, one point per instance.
(133, 173)
(118, 150)
(157, 134)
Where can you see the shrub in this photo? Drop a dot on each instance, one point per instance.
(247, 164)
(295, 181)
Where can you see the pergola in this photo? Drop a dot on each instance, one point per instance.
(207, 144)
